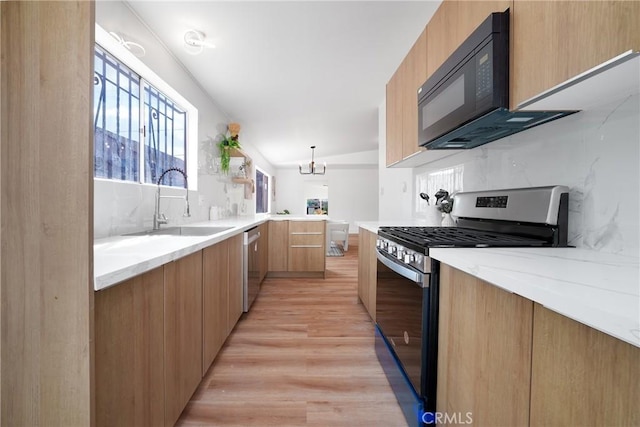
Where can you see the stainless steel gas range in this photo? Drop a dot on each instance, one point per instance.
(408, 279)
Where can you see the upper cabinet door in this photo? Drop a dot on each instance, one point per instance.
(394, 117)
(552, 41)
(402, 103)
(442, 35)
(414, 69)
(452, 23)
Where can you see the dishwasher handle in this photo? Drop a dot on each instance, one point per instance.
(249, 238)
(253, 238)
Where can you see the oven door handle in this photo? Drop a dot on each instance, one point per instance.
(414, 276)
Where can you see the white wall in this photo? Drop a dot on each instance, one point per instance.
(396, 184)
(125, 207)
(595, 153)
(353, 194)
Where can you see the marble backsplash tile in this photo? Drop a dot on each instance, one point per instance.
(595, 153)
(121, 207)
(125, 207)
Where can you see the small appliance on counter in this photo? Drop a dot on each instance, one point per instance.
(408, 279)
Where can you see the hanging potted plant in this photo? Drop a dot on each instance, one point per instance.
(226, 144)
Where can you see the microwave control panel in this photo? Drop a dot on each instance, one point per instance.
(484, 72)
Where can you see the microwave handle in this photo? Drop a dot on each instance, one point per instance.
(407, 273)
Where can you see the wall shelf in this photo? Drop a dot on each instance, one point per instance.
(236, 152)
(238, 180)
(249, 186)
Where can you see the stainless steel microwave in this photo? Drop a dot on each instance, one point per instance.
(465, 102)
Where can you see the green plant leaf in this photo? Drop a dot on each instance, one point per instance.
(224, 146)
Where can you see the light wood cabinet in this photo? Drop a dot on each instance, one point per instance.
(452, 23)
(367, 268)
(129, 370)
(581, 376)
(296, 248)
(484, 351)
(402, 103)
(182, 333)
(278, 245)
(222, 295)
(307, 251)
(509, 361)
(553, 41)
(394, 118)
(263, 250)
(550, 42)
(414, 69)
(215, 301)
(235, 281)
(46, 146)
(442, 35)
(157, 334)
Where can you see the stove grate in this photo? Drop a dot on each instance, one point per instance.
(427, 237)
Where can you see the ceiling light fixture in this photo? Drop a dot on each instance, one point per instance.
(195, 41)
(312, 170)
(133, 47)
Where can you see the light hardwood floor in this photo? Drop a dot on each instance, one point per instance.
(303, 356)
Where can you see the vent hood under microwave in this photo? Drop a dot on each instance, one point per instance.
(465, 102)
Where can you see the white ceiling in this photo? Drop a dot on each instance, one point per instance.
(294, 73)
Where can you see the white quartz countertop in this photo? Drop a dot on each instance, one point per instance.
(120, 258)
(598, 289)
(287, 217)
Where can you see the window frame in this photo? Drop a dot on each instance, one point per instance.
(111, 46)
(124, 94)
(267, 191)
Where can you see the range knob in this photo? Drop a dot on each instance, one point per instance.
(378, 243)
(400, 253)
(417, 258)
(392, 249)
(409, 257)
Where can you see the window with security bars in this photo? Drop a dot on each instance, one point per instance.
(137, 128)
(165, 138)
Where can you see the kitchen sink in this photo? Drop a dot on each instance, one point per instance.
(181, 231)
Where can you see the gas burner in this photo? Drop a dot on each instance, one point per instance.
(432, 237)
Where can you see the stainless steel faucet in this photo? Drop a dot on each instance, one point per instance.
(160, 218)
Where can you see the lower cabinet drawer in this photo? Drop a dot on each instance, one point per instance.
(296, 227)
(306, 240)
(306, 258)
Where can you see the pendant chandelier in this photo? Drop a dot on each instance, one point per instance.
(312, 169)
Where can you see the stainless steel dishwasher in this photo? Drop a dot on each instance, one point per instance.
(251, 267)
